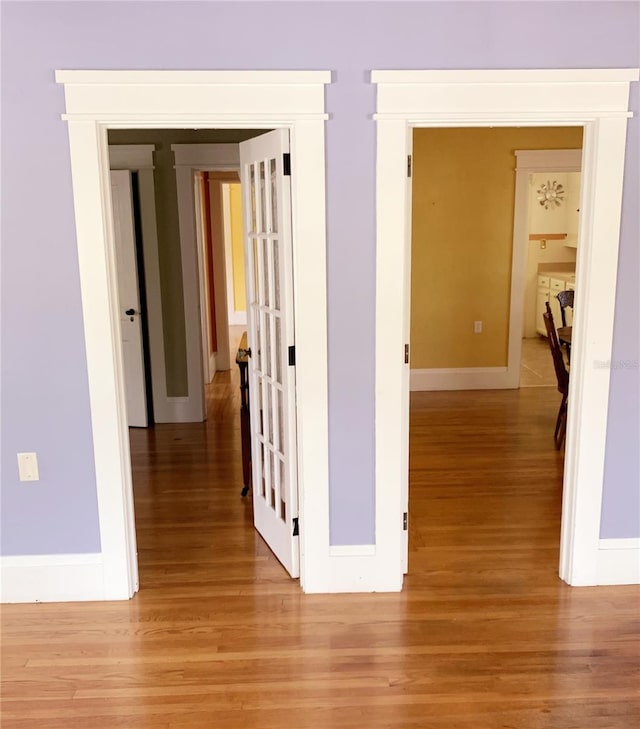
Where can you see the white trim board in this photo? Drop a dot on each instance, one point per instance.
(52, 578)
(99, 100)
(596, 99)
(458, 378)
(197, 247)
(618, 562)
(628, 543)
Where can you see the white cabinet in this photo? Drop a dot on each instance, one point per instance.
(542, 298)
(556, 285)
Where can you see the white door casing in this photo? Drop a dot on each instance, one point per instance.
(596, 99)
(271, 337)
(99, 100)
(208, 357)
(208, 370)
(129, 298)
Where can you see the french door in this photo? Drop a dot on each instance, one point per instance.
(264, 163)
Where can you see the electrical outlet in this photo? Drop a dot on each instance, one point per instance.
(28, 467)
(477, 327)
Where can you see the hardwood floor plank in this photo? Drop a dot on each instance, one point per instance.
(484, 635)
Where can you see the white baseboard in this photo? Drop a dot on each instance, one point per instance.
(176, 410)
(51, 578)
(460, 378)
(212, 366)
(618, 562)
(353, 568)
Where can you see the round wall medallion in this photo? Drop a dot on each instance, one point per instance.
(550, 195)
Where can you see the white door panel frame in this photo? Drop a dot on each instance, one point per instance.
(99, 100)
(594, 99)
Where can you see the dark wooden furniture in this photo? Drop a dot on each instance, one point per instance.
(566, 301)
(561, 374)
(564, 335)
(242, 360)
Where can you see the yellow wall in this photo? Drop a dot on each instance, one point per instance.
(462, 233)
(237, 247)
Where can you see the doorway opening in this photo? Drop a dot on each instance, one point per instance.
(194, 204)
(484, 469)
(449, 99)
(97, 101)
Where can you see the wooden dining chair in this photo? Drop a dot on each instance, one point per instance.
(562, 375)
(566, 301)
(565, 298)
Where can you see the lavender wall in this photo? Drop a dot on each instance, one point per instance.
(45, 395)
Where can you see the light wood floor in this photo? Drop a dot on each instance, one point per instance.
(484, 635)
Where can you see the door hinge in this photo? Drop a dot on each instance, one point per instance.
(286, 163)
(296, 530)
(292, 356)
(406, 354)
(405, 521)
(408, 165)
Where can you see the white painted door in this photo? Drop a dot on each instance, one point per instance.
(270, 332)
(129, 297)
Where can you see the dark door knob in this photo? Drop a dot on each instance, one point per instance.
(130, 312)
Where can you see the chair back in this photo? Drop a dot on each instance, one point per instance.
(562, 374)
(566, 300)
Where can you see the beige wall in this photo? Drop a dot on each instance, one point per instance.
(462, 233)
